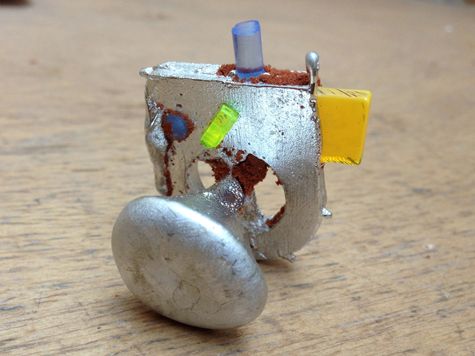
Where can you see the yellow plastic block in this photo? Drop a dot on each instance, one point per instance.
(343, 119)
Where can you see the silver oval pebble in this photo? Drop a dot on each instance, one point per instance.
(185, 265)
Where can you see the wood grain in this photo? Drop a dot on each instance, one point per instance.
(393, 273)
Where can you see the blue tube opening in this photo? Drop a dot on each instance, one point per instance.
(247, 28)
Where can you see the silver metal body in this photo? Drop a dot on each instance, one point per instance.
(276, 124)
(190, 256)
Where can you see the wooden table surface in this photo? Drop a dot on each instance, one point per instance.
(392, 273)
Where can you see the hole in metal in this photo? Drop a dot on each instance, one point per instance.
(206, 174)
(270, 196)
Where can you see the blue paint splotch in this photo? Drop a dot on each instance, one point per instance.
(176, 125)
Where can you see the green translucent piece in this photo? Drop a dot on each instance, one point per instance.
(219, 126)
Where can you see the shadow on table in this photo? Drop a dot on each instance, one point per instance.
(145, 320)
(15, 2)
(139, 312)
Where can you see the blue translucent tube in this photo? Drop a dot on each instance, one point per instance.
(248, 49)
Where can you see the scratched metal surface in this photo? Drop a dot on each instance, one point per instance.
(391, 272)
(276, 124)
(185, 258)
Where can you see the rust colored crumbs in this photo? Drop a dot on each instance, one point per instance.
(228, 152)
(225, 69)
(219, 167)
(271, 76)
(239, 155)
(249, 172)
(276, 218)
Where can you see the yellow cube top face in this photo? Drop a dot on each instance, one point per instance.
(343, 117)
